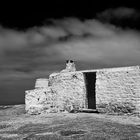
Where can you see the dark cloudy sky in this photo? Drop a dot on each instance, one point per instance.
(36, 42)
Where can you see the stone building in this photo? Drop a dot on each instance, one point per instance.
(110, 89)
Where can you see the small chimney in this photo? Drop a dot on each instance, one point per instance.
(70, 66)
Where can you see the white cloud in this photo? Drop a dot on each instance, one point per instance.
(88, 42)
(108, 50)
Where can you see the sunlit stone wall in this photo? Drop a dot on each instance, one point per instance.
(65, 91)
(118, 87)
(70, 88)
(38, 100)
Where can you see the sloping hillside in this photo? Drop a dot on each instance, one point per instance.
(16, 125)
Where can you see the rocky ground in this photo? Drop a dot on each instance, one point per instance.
(15, 124)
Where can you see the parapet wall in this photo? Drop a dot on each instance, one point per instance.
(41, 83)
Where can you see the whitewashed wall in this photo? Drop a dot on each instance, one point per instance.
(66, 91)
(119, 86)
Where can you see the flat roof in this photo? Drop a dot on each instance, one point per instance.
(126, 68)
(113, 69)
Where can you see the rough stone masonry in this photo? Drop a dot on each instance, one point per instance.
(114, 89)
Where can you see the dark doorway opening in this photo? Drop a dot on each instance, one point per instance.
(90, 80)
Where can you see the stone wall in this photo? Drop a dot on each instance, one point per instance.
(70, 90)
(62, 92)
(118, 88)
(38, 100)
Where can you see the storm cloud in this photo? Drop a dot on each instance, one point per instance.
(39, 51)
